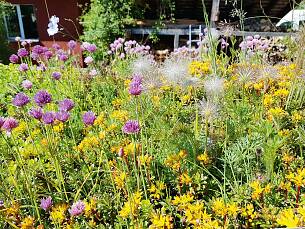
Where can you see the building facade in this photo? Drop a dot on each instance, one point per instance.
(29, 20)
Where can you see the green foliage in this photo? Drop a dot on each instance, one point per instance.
(105, 20)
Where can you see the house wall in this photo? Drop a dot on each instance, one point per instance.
(64, 9)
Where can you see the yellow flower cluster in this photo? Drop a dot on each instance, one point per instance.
(258, 190)
(298, 178)
(223, 209)
(90, 207)
(59, 127)
(132, 206)
(174, 161)
(156, 190)
(195, 213)
(291, 218)
(159, 221)
(120, 115)
(20, 129)
(57, 214)
(27, 223)
(249, 212)
(198, 68)
(88, 143)
(276, 112)
(120, 179)
(99, 121)
(204, 158)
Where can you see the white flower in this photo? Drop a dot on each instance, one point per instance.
(53, 26)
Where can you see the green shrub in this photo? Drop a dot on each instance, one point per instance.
(106, 19)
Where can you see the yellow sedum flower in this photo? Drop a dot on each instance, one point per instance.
(268, 100)
(296, 117)
(57, 214)
(27, 223)
(120, 115)
(204, 158)
(198, 68)
(276, 112)
(90, 207)
(249, 212)
(88, 143)
(161, 221)
(219, 207)
(287, 218)
(185, 179)
(99, 121)
(59, 127)
(156, 190)
(132, 206)
(297, 178)
(120, 180)
(117, 102)
(183, 201)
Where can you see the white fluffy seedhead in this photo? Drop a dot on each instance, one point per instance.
(214, 86)
(208, 110)
(175, 71)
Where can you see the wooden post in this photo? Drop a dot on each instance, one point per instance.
(176, 41)
(215, 12)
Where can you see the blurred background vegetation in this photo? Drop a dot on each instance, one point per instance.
(5, 51)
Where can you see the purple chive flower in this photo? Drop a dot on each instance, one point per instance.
(41, 67)
(36, 113)
(63, 57)
(21, 100)
(135, 86)
(48, 54)
(62, 116)
(45, 49)
(23, 67)
(91, 48)
(257, 36)
(122, 56)
(9, 124)
(34, 56)
(14, 59)
(2, 120)
(66, 105)
(56, 75)
(77, 208)
(72, 44)
(38, 49)
(93, 73)
(249, 38)
(89, 118)
(42, 98)
(131, 127)
(56, 46)
(46, 203)
(26, 84)
(88, 60)
(49, 117)
(22, 52)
